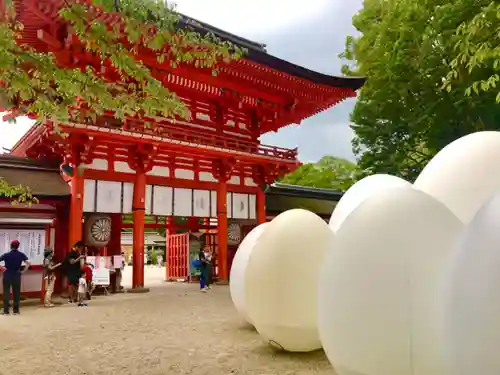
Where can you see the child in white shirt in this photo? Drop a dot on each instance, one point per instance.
(82, 290)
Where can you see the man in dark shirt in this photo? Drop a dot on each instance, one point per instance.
(73, 270)
(13, 260)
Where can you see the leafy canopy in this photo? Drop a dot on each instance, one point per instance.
(415, 100)
(329, 172)
(33, 82)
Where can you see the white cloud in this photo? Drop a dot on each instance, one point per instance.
(254, 16)
(10, 133)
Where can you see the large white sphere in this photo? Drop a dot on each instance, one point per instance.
(464, 174)
(378, 311)
(238, 270)
(281, 280)
(359, 192)
(473, 307)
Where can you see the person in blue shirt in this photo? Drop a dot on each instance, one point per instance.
(13, 261)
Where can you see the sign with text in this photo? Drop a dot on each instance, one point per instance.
(32, 243)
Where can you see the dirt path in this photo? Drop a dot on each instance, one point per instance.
(175, 329)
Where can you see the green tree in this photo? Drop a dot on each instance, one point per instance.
(33, 83)
(329, 172)
(404, 114)
(478, 48)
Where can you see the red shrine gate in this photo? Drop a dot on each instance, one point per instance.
(212, 166)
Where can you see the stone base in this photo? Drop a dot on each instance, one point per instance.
(138, 290)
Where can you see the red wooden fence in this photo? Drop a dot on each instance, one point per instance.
(177, 267)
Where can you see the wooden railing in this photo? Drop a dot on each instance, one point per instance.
(205, 137)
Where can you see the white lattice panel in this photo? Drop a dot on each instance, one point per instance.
(201, 202)
(162, 200)
(89, 196)
(240, 206)
(128, 197)
(252, 208)
(183, 202)
(148, 199)
(109, 198)
(229, 205)
(213, 203)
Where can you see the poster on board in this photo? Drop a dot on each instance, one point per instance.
(32, 243)
(117, 261)
(100, 266)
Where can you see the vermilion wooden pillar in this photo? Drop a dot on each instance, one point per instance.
(261, 205)
(114, 245)
(222, 253)
(169, 225)
(138, 209)
(193, 224)
(76, 208)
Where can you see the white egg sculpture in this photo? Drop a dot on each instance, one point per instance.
(378, 290)
(472, 307)
(281, 280)
(359, 192)
(238, 270)
(464, 174)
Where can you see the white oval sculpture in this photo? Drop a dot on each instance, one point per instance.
(472, 310)
(359, 192)
(238, 270)
(464, 174)
(378, 288)
(281, 280)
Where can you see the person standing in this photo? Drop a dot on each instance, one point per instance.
(209, 271)
(203, 271)
(89, 277)
(13, 260)
(50, 267)
(82, 289)
(73, 270)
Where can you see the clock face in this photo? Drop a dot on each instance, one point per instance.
(234, 234)
(97, 230)
(101, 229)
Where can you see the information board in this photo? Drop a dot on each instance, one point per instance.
(32, 243)
(100, 269)
(117, 261)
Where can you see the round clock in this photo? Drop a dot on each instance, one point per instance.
(97, 230)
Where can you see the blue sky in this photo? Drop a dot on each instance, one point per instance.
(309, 33)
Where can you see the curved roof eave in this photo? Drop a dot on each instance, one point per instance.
(258, 54)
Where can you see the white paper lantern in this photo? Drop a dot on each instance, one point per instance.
(281, 280)
(238, 270)
(472, 310)
(379, 286)
(464, 174)
(359, 192)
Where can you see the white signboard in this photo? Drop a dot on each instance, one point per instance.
(32, 243)
(100, 267)
(117, 261)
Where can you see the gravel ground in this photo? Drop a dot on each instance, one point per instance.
(174, 329)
